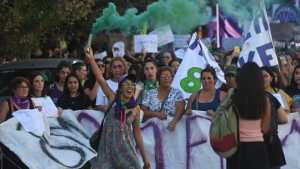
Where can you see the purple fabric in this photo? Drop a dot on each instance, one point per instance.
(22, 103)
(54, 93)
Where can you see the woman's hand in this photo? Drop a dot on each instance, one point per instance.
(211, 113)
(172, 125)
(162, 115)
(89, 53)
(189, 112)
(147, 165)
(60, 111)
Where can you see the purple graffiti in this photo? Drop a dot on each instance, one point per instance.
(84, 115)
(159, 156)
(294, 128)
(189, 144)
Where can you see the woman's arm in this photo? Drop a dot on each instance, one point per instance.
(138, 136)
(4, 108)
(150, 114)
(222, 95)
(189, 104)
(92, 93)
(99, 75)
(179, 112)
(283, 116)
(266, 117)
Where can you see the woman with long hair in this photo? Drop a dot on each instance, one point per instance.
(38, 85)
(254, 111)
(56, 89)
(74, 97)
(121, 127)
(278, 115)
(294, 90)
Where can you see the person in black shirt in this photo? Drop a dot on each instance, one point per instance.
(73, 97)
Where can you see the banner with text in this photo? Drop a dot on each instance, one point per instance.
(192, 149)
(258, 46)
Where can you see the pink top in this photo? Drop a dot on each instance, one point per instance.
(250, 131)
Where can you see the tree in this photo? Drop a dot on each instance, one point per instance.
(28, 24)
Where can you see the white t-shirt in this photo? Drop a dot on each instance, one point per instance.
(101, 99)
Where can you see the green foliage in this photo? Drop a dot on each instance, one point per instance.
(28, 24)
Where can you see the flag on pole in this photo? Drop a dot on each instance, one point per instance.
(196, 58)
(258, 45)
(226, 27)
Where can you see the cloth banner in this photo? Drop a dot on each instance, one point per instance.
(258, 44)
(66, 147)
(196, 58)
(188, 146)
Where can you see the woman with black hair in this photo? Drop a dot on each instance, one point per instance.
(254, 109)
(272, 87)
(38, 85)
(56, 90)
(74, 97)
(121, 127)
(278, 115)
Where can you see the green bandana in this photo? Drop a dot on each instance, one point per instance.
(151, 84)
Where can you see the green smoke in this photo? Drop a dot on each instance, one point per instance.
(181, 15)
(243, 10)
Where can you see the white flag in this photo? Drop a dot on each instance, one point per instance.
(258, 44)
(197, 58)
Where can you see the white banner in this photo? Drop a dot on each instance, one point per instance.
(196, 58)
(258, 45)
(188, 146)
(164, 35)
(66, 147)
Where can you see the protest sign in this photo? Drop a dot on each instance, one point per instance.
(147, 42)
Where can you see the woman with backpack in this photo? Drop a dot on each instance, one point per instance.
(254, 109)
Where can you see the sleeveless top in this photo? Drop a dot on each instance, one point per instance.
(213, 105)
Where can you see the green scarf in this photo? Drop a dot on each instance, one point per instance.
(151, 84)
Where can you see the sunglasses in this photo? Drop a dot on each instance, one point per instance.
(101, 65)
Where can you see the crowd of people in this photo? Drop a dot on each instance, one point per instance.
(122, 86)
